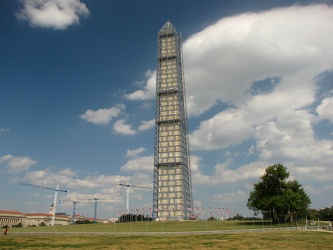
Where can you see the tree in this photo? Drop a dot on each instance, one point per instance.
(278, 198)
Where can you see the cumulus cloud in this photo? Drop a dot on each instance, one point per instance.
(16, 164)
(237, 51)
(290, 138)
(145, 125)
(251, 171)
(256, 47)
(316, 172)
(135, 152)
(103, 116)
(325, 109)
(55, 14)
(224, 174)
(68, 178)
(198, 177)
(230, 197)
(149, 91)
(90, 185)
(141, 170)
(224, 129)
(120, 127)
(139, 164)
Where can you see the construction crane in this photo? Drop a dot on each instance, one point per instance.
(56, 190)
(127, 193)
(95, 208)
(74, 207)
(95, 199)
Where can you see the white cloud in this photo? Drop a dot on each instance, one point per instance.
(223, 174)
(224, 129)
(103, 116)
(141, 170)
(16, 164)
(230, 197)
(197, 175)
(149, 91)
(290, 138)
(139, 164)
(236, 51)
(135, 152)
(315, 172)
(56, 14)
(80, 188)
(325, 109)
(250, 171)
(145, 125)
(67, 179)
(120, 127)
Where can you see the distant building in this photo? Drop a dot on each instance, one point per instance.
(14, 218)
(113, 219)
(172, 195)
(38, 219)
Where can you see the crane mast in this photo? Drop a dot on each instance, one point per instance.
(95, 199)
(74, 207)
(56, 190)
(127, 192)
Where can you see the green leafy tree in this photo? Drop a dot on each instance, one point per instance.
(273, 195)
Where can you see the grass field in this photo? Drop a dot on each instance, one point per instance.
(170, 226)
(167, 235)
(259, 240)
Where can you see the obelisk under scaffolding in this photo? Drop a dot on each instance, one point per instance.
(172, 195)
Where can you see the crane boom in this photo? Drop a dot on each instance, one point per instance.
(127, 192)
(43, 187)
(95, 208)
(74, 205)
(55, 196)
(137, 186)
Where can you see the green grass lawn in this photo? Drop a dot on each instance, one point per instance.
(252, 240)
(170, 226)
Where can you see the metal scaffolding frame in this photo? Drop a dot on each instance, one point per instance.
(172, 195)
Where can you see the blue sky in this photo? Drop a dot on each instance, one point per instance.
(78, 93)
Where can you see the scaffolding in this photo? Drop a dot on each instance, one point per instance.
(172, 195)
